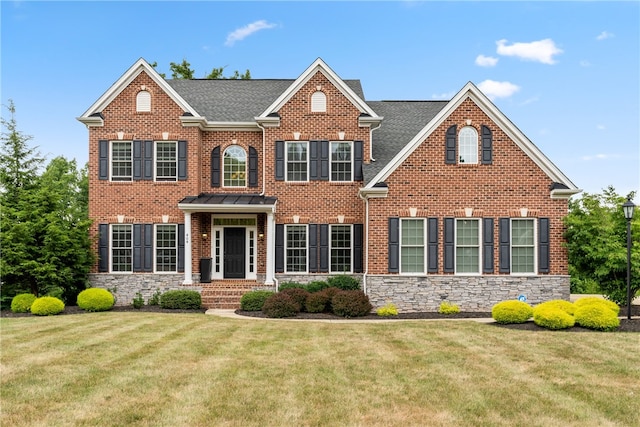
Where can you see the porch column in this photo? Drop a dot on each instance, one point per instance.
(187, 249)
(271, 234)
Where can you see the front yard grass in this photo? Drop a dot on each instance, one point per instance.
(151, 369)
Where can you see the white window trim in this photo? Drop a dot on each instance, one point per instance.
(286, 248)
(155, 162)
(246, 172)
(111, 249)
(535, 247)
(425, 247)
(111, 161)
(155, 249)
(331, 248)
(475, 132)
(331, 161)
(286, 160)
(455, 247)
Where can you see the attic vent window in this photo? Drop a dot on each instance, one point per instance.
(143, 102)
(318, 102)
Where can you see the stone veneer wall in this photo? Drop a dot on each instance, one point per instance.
(470, 293)
(125, 286)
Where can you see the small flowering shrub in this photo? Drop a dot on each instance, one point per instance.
(280, 305)
(551, 317)
(21, 303)
(599, 302)
(351, 304)
(344, 282)
(181, 300)
(512, 311)
(95, 299)
(316, 302)
(598, 317)
(47, 306)
(448, 308)
(387, 310)
(254, 300)
(299, 295)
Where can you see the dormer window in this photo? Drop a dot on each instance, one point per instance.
(143, 102)
(468, 145)
(318, 102)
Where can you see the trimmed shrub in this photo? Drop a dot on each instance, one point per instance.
(155, 298)
(254, 300)
(316, 302)
(95, 299)
(299, 295)
(47, 306)
(317, 286)
(448, 308)
(280, 305)
(21, 303)
(597, 316)
(512, 311)
(387, 310)
(329, 292)
(138, 301)
(581, 302)
(561, 304)
(351, 304)
(344, 282)
(551, 317)
(181, 300)
(289, 285)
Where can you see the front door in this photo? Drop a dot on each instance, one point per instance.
(234, 253)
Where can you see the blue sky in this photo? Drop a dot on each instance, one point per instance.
(566, 73)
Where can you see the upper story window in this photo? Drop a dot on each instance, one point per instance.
(235, 167)
(318, 102)
(412, 245)
(143, 102)
(467, 246)
(341, 164)
(121, 161)
(523, 246)
(297, 161)
(468, 145)
(166, 161)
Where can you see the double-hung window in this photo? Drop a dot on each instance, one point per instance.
(341, 164)
(412, 245)
(523, 246)
(121, 248)
(166, 161)
(341, 248)
(468, 145)
(166, 259)
(297, 161)
(296, 248)
(121, 161)
(235, 167)
(467, 246)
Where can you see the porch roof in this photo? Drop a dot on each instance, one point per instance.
(239, 203)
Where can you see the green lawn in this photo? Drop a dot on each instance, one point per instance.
(152, 369)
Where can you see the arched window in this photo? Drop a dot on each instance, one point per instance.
(318, 102)
(235, 167)
(468, 145)
(143, 102)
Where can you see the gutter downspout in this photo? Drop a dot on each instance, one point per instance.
(366, 216)
(264, 164)
(264, 190)
(371, 141)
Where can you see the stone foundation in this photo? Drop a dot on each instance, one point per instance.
(125, 286)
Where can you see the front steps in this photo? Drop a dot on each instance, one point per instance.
(226, 294)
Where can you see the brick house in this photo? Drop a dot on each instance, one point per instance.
(229, 185)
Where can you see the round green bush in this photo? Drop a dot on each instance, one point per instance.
(351, 304)
(21, 303)
(448, 308)
(280, 305)
(95, 299)
(581, 302)
(597, 316)
(512, 311)
(181, 300)
(387, 310)
(344, 282)
(329, 293)
(299, 295)
(254, 300)
(317, 286)
(563, 305)
(551, 317)
(289, 285)
(46, 306)
(316, 302)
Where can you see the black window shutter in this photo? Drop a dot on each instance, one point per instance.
(432, 248)
(253, 167)
(182, 160)
(505, 245)
(324, 248)
(279, 160)
(487, 146)
(394, 245)
(137, 247)
(314, 160)
(103, 248)
(451, 146)
(137, 160)
(324, 160)
(103, 159)
(358, 240)
(313, 248)
(147, 166)
(181, 259)
(449, 245)
(543, 245)
(147, 250)
(358, 158)
(487, 245)
(215, 167)
(279, 248)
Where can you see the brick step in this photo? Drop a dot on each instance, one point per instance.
(225, 295)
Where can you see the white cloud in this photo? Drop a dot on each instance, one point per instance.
(599, 157)
(445, 96)
(605, 35)
(486, 61)
(494, 89)
(246, 31)
(539, 51)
